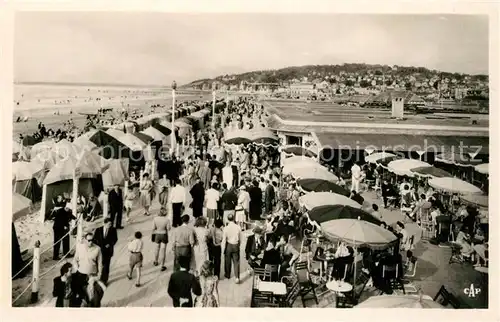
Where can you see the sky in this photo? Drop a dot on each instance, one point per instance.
(156, 48)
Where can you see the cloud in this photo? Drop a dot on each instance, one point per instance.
(155, 48)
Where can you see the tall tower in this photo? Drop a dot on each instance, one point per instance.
(398, 107)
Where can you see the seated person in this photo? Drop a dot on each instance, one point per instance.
(463, 239)
(343, 257)
(255, 246)
(271, 256)
(481, 250)
(289, 255)
(92, 209)
(388, 191)
(284, 229)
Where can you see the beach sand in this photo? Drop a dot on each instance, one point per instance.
(39, 103)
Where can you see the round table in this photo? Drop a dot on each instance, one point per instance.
(481, 269)
(339, 286)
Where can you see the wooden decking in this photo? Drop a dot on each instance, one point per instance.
(122, 292)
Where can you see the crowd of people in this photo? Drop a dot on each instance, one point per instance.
(236, 188)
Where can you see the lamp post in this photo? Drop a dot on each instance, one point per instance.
(213, 106)
(172, 135)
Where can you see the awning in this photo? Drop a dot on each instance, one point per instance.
(404, 142)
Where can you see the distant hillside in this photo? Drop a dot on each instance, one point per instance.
(312, 72)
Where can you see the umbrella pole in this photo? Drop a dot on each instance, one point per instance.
(43, 203)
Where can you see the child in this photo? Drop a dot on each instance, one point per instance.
(95, 291)
(135, 248)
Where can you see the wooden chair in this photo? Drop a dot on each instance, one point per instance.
(262, 273)
(293, 292)
(391, 273)
(456, 254)
(307, 288)
(445, 298)
(263, 299)
(273, 272)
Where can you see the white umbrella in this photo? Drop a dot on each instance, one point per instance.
(316, 199)
(403, 167)
(400, 301)
(299, 159)
(454, 185)
(373, 158)
(482, 168)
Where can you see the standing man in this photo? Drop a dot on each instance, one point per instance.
(229, 200)
(183, 284)
(62, 217)
(212, 198)
(106, 237)
(115, 199)
(356, 177)
(197, 192)
(231, 238)
(178, 198)
(269, 198)
(255, 201)
(184, 240)
(87, 261)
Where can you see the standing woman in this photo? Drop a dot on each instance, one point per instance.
(161, 226)
(146, 187)
(201, 247)
(129, 201)
(209, 287)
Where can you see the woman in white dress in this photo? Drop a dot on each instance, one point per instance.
(242, 207)
(201, 248)
(227, 175)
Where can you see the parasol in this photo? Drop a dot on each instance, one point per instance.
(482, 168)
(461, 159)
(430, 172)
(319, 185)
(400, 301)
(357, 232)
(403, 167)
(313, 199)
(454, 185)
(311, 172)
(299, 159)
(477, 200)
(379, 156)
(323, 214)
(298, 151)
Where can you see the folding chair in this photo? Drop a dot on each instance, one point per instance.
(273, 271)
(395, 281)
(306, 285)
(263, 299)
(445, 298)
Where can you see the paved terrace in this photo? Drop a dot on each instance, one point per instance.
(289, 110)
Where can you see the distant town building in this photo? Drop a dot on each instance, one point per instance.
(303, 89)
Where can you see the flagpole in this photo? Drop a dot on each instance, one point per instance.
(213, 106)
(172, 135)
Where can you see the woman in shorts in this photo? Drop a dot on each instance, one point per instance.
(135, 261)
(161, 226)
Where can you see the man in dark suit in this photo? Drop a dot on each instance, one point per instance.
(255, 201)
(106, 237)
(197, 192)
(182, 284)
(62, 217)
(115, 199)
(269, 197)
(255, 246)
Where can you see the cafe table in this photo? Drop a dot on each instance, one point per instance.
(338, 287)
(277, 288)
